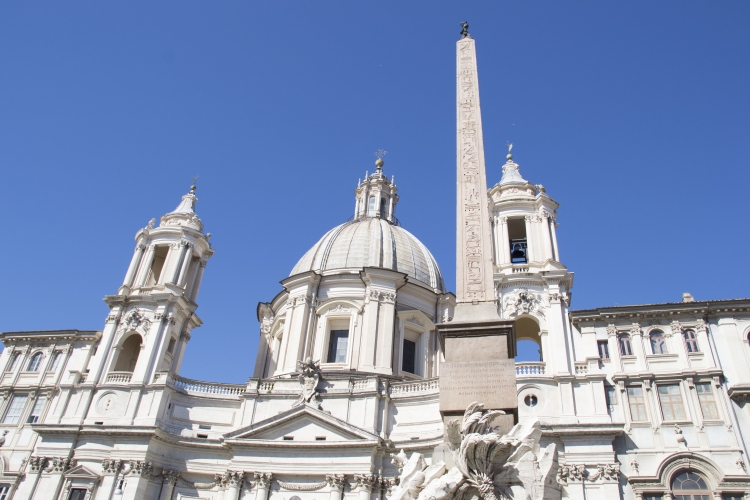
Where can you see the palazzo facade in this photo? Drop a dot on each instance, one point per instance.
(643, 402)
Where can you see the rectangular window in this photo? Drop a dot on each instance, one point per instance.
(77, 494)
(4, 489)
(708, 402)
(671, 402)
(15, 409)
(518, 242)
(626, 349)
(410, 352)
(36, 412)
(637, 404)
(603, 351)
(610, 393)
(338, 346)
(55, 361)
(170, 347)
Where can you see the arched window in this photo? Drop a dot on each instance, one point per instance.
(690, 486)
(129, 352)
(34, 362)
(55, 361)
(371, 207)
(658, 344)
(691, 342)
(625, 348)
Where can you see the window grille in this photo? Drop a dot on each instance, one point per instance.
(15, 409)
(689, 486)
(691, 342)
(707, 400)
(637, 404)
(671, 402)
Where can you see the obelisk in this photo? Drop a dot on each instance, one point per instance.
(478, 345)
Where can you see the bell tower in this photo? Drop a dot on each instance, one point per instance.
(533, 286)
(153, 313)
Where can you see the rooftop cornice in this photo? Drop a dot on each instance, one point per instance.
(49, 335)
(633, 312)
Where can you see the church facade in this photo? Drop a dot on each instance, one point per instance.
(643, 402)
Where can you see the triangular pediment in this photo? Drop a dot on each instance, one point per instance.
(302, 424)
(82, 472)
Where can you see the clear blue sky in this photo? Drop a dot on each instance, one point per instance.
(634, 115)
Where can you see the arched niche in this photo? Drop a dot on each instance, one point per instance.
(528, 339)
(127, 353)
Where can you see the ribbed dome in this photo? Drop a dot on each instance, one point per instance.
(372, 242)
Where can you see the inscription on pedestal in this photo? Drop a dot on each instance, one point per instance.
(491, 382)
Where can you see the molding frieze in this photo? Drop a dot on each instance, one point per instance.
(111, 467)
(141, 468)
(302, 486)
(51, 464)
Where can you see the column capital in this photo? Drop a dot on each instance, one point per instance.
(336, 481)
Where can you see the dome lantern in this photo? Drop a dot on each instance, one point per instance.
(376, 195)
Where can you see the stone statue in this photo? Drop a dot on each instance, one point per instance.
(488, 466)
(308, 379)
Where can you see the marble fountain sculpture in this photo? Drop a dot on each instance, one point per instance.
(488, 466)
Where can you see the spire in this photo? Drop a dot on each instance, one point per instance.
(184, 214)
(511, 175)
(474, 273)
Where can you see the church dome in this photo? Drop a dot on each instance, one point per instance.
(373, 242)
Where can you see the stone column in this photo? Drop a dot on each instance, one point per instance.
(546, 236)
(636, 341)
(179, 261)
(530, 253)
(198, 279)
(677, 344)
(145, 266)
(385, 334)
(186, 258)
(169, 479)
(365, 483)
(234, 480)
(553, 231)
(504, 247)
(613, 343)
(336, 482)
(263, 484)
(128, 281)
(138, 479)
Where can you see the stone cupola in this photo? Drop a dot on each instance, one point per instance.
(376, 196)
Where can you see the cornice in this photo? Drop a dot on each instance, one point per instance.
(661, 310)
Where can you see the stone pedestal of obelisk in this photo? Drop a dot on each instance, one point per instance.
(478, 345)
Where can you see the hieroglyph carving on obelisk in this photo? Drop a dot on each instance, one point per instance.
(474, 274)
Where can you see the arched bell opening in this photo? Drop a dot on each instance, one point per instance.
(528, 340)
(127, 356)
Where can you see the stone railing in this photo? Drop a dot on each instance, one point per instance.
(198, 388)
(409, 388)
(530, 369)
(520, 269)
(119, 377)
(265, 387)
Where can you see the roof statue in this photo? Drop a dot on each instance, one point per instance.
(465, 30)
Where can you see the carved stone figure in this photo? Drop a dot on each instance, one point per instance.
(522, 301)
(488, 465)
(308, 379)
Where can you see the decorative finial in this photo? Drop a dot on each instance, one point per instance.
(465, 30)
(193, 186)
(510, 147)
(380, 153)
